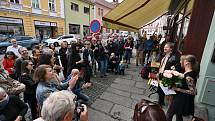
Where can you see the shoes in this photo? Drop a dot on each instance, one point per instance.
(101, 76)
(105, 75)
(137, 65)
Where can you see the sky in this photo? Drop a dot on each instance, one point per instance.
(112, 0)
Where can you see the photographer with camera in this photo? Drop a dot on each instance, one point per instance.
(60, 106)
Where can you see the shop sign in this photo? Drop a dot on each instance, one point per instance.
(53, 24)
(10, 20)
(42, 23)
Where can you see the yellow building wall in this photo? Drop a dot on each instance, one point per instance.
(28, 18)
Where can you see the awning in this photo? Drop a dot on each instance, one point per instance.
(131, 15)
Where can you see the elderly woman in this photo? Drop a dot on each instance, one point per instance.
(60, 106)
(11, 107)
(45, 75)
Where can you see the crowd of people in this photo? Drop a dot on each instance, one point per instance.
(52, 78)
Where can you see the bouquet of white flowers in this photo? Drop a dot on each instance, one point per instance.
(171, 78)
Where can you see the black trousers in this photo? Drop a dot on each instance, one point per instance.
(161, 94)
(87, 73)
(32, 102)
(171, 112)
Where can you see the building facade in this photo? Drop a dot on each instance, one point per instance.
(102, 7)
(78, 15)
(156, 25)
(40, 18)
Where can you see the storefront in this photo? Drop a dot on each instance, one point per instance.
(11, 26)
(45, 30)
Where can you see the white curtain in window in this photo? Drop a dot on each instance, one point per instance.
(35, 3)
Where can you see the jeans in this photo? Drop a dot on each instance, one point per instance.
(83, 97)
(127, 56)
(103, 66)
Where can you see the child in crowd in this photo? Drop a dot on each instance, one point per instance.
(114, 63)
(121, 68)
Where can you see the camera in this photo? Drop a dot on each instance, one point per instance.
(78, 109)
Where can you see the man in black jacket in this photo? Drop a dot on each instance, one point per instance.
(87, 58)
(169, 61)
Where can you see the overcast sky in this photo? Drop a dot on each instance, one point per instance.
(112, 0)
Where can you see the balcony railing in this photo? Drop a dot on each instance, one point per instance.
(16, 6)
(9, 5)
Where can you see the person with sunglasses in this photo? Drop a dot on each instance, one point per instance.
(31, 85)
(11, 107)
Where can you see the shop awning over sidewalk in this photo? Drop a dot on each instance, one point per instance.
(131, 15)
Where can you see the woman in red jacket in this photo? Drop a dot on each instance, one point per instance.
(8, 63)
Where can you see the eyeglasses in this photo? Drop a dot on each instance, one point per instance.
(24, 50)
(31, 64)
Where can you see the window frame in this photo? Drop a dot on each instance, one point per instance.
(88, 10)
(76, 7)
(99, 9)
(33, 6)
(76, 31)
(102, 12)
(53, 3)
(14, 2)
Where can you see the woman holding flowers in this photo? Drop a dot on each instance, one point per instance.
(183, 102)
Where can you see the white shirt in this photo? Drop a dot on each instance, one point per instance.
(15, 50)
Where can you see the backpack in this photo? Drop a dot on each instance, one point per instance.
(144, 73)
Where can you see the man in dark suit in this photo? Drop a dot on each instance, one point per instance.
(168, 61)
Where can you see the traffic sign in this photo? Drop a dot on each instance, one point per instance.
(95, 26)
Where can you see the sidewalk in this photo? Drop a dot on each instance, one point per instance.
(118, 101)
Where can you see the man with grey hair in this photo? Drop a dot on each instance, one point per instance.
(60, 106)
(11, 107)
(14, 47)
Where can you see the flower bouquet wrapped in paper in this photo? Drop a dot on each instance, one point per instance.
(170, 79)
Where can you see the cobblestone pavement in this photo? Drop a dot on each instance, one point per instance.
(118, 100)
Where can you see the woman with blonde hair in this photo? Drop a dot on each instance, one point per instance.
(183, 102)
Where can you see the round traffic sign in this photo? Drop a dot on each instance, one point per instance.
(95, 26)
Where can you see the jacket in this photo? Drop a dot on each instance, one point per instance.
(11, 86)
(30, 84)
(44, 89)
(9, 65)
(173, 60)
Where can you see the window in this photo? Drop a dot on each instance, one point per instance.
(15, 1)
(74, 7)
(99, 11)
(108, 31)
(67, 37)
(86, 10)
(74, 29)
(86, 30)
(52, 5)
(35, 4)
